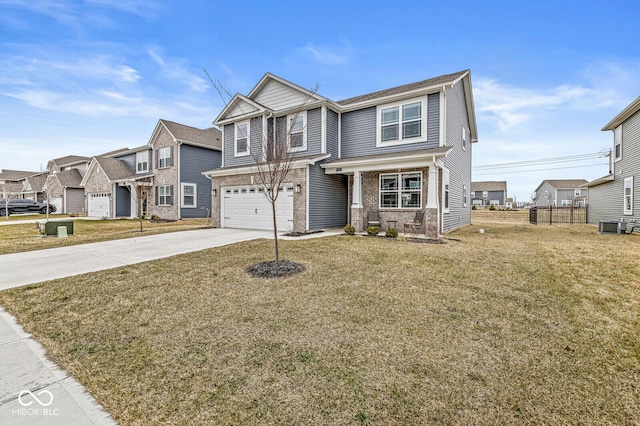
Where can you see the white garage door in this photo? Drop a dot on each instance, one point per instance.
(56, 201)
(99, 205)
(247, 207)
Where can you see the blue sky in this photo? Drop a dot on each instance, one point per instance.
(87, 77)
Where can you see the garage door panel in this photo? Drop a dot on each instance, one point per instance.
(98, 205)
(247, 207)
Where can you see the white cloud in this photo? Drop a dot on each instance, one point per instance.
(326, 55)
(177, 72)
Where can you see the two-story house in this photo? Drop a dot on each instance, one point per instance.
(162, 178)
(489, 193)
(12, 182)
(63, 183)
(398, 151)
(561, 193)
(612, 197)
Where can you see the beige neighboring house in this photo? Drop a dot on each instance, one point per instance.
(12, 182)
(33, 187)
(101, 187)
(65, 191)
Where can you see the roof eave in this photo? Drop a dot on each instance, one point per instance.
(624, 115)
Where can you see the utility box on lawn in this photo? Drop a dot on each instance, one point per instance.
(51, 227)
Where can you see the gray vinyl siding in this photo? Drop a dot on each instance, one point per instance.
(495, 195)
(193, 161)
(314, 132)
(75, 200)
(123, 202)
(255, 136)
(606, 201)
(332, 133)
(327, 199)
(359, 132)
(458, 161)
(542, 200)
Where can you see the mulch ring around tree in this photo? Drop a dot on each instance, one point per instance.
(273, 269)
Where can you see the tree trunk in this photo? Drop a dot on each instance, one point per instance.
(275, 230)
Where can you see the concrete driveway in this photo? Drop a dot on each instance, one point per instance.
(20, 269)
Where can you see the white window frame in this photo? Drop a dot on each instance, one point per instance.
(401, 140)
(627, 200)
(400, 190)
(464, 195)
(617, 142)
(142, 159)
(195, 195)
(464, 138)
(164, 155)
(162, 195)
(565, 203)
(446, 190)
(303, 116)
(577, 192)
(237, 153)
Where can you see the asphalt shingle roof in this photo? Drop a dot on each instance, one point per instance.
(211, 137)
(115, 169)
(489, 186)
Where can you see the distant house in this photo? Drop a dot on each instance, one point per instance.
(63, 183)
(33, 187)
(69, 162)
(163, 178)
(12, 182)
(612, 197)
(489, 193)
(561, 193)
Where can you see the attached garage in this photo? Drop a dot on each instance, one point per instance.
(99, 205)
(247, 207)
(56, 201)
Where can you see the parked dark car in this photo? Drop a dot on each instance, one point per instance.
(24, 206)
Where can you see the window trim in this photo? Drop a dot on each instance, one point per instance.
(289, 128)
(237, 153)
(399, 191)
(446, 190)
(617, 142)
(464, 138)
(195, 195)
(168, 198)
(402, 141)
(627, 211)
(139, 162)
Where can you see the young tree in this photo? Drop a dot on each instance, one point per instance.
(275, 154)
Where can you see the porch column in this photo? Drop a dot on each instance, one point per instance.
(356, 204)
(431, 209)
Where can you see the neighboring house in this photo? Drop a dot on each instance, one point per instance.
(398, 151)
(12, 182)
(561, 193)
(489, 193)
(162, 178)
(33, 187)
(69, 162)
(65, 191)
(612, 197)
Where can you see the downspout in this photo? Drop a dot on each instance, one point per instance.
(438, 219)
(178, 186)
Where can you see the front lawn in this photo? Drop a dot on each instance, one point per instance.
(25, 237)
(520, 324)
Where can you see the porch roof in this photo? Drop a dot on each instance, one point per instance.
(386, 161)
(296, 162)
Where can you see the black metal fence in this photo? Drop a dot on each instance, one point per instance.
(549, 215)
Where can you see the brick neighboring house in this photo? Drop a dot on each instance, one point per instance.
(561, 193)
(162, 178)
(63, 183)
(33, 187)
(487, 193)
(613, 196)
(398, 151)
(12, 182)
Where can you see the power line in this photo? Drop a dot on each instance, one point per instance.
(527, 163)
(543, 170)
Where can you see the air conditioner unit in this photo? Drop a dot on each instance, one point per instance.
(612, 227)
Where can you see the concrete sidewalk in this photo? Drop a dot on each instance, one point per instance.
(33, 391)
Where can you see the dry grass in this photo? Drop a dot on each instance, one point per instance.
(25, 237)
(519, 325)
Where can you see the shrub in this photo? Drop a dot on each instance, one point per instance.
(373, 230)
(492, 207)
(349, 229)
(155, 217)
(474, 208)
(392, 233)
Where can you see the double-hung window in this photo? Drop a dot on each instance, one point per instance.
(142, 162)
(242, 139)
(189, 195)
(445, 190)
(401, 123)
(164, 195)
(401, 190)
(628, 195)
(296, 131)
(617, 143)
(165, 157)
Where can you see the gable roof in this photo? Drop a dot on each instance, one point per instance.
(563, 183)
(35, 182)
(206, 138)
(68, 160)
(15, 175)
(489, 186)
(113, 168)
(631, 109)
(69, 178)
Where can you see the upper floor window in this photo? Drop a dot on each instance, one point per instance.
(165, 157)
(402, 122)
(241, 139)
(142, 162)
(401, 190)
(617, 143)
(296, 131)
(628, 195)
(464, 138)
